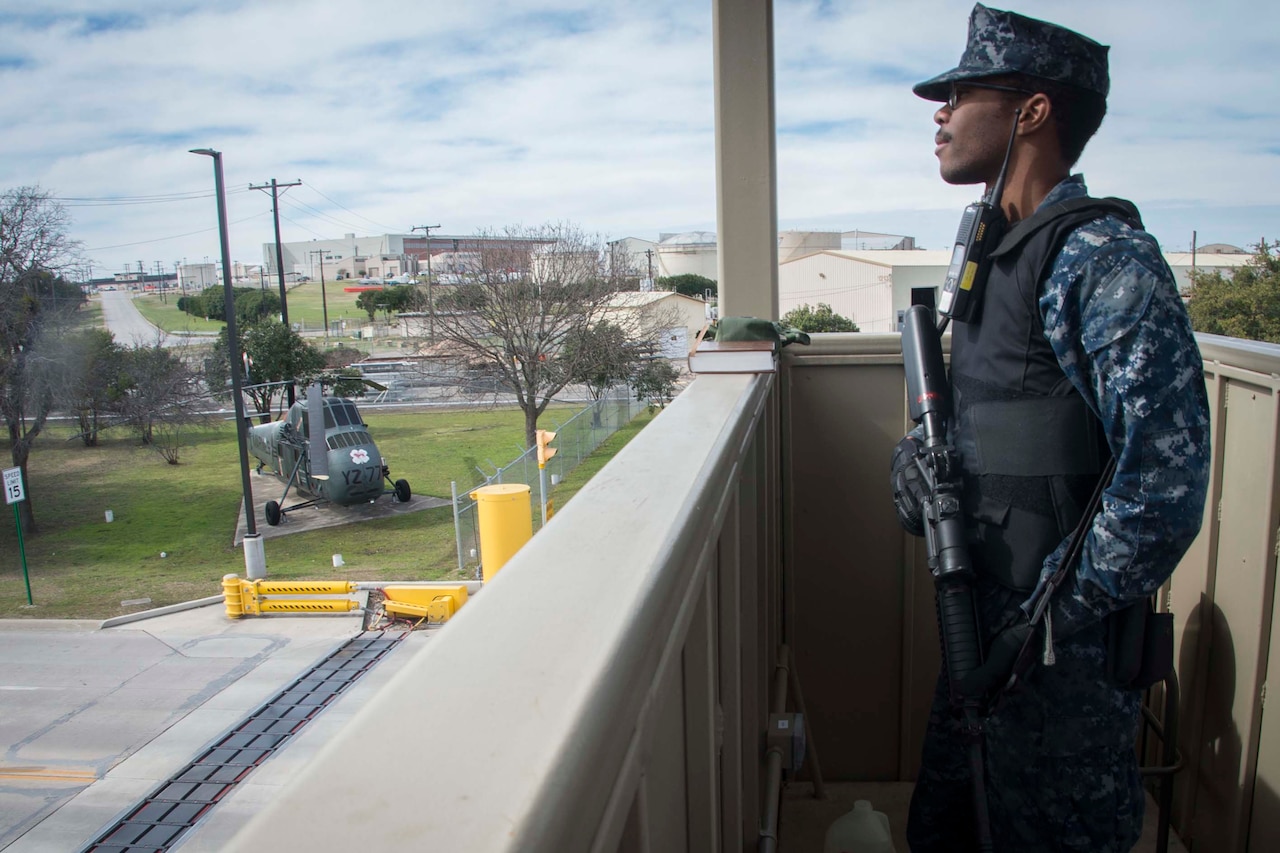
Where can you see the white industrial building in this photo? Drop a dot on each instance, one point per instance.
(696, 252)
(875, 288)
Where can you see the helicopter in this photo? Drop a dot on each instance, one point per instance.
(349, 471)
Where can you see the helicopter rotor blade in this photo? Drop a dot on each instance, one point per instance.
(317, 447)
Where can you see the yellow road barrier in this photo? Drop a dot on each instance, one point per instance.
(249, 598)
(433, 603)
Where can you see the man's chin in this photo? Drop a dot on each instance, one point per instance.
(957, 177)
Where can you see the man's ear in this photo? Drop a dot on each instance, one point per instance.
(1036, 112)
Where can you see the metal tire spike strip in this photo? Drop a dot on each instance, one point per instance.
(175, 806)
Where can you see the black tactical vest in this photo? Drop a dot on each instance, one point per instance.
(1030, 448)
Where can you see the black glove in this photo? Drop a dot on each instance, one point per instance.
(909, 487)
(1011, 655)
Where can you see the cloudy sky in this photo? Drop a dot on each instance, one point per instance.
(476, 114)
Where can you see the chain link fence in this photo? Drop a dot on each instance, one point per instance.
(575, 440)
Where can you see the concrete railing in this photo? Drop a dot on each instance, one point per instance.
(608, 689)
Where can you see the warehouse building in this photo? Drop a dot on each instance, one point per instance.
(875, 288)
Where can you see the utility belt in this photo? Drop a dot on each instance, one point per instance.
(1024, 460)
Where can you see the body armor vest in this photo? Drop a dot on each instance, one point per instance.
(1030, 448)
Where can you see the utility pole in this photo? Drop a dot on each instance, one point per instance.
(431, 307)
(275, 214)
(324, 300)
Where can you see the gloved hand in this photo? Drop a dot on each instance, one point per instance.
(1011, 655)
(909, 487)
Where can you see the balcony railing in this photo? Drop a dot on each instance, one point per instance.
(609, 690)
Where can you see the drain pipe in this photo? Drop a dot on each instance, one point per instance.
(774, 757)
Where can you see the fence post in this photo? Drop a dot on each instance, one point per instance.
(457, 528)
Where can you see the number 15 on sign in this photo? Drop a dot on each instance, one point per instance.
(13, 493)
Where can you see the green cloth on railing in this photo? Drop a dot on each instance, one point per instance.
(755, 329)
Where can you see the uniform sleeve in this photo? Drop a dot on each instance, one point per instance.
(1118, 327)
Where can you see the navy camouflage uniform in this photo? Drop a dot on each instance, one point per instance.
(1061, 767)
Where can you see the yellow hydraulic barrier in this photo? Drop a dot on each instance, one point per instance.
(506, 523)
(245, 597)
(433, 603)
(331, 606)
(304, 587)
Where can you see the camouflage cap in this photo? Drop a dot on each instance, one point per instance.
(1008, 43)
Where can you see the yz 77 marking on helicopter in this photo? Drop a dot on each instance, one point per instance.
(323, 450)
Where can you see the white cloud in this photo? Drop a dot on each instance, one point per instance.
(485, 113)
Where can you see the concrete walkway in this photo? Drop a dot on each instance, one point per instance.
(92, 719)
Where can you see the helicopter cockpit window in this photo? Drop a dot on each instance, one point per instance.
(361, 437)
(341, 415)
(328, 417)
(354, 414)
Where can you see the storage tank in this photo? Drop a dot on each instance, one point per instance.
(688, 252)
(797, 244)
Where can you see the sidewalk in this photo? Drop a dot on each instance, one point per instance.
(91, 719)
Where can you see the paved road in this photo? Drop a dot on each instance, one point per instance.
(91, 719)
(127, 324)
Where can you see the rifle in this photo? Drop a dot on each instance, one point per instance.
(929, 404)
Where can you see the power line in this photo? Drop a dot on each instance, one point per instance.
(173, 236)
(125, 201)
(304, 228)
(389, 229)
(300, 205)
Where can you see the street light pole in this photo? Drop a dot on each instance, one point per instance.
(255, 561)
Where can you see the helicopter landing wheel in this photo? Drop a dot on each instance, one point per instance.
(273, 513)
(402, 491)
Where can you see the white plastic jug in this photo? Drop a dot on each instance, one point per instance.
(862, 830)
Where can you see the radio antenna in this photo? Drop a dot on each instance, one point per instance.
(998, 189)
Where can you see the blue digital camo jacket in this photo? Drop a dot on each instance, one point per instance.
(1113, 316)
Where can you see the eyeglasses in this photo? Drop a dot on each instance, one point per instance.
(954, 98)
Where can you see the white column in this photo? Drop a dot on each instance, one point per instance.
(746, 163)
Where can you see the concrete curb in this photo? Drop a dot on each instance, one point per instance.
(160, 611)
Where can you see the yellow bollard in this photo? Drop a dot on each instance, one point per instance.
(506, 523)
(231, 596)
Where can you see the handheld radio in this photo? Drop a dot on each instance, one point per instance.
(981, 228)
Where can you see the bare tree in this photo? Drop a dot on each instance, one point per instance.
(522, 295)
(34, 299)
(161, 397)
(85, 379)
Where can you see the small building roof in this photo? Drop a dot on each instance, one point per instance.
(641, 298)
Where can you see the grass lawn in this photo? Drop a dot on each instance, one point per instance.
(83, 567)
(306, 306)
(578, 477)
(167, 316)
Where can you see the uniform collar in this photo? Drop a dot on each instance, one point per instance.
(1070, 187)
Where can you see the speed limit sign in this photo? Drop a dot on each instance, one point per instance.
(13, 491)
